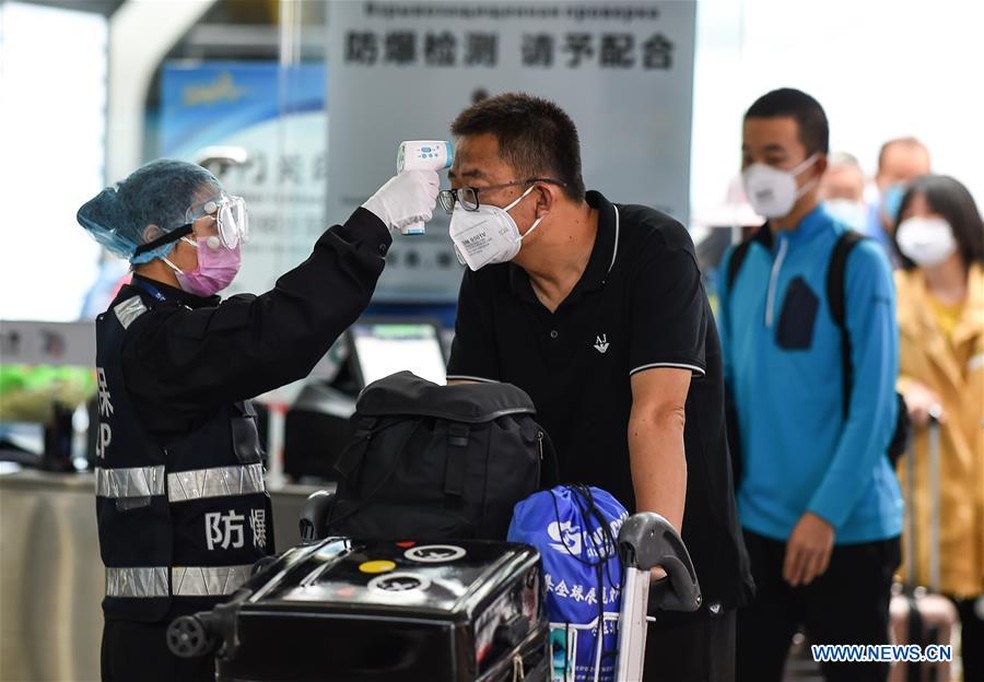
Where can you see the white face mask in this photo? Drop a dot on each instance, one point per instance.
(772, 192)
(927, 242)
(849, 212)
(488, 235)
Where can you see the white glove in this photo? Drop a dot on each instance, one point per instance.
(407, 198)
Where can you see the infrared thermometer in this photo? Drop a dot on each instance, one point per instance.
(423, 155)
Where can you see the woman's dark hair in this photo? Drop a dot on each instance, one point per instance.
(950, 199)
(535, 137)
(811, 121)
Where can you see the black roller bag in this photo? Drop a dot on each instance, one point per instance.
(343, 610)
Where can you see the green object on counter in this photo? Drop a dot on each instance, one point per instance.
(27, 392)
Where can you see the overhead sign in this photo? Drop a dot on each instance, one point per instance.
(404, 70)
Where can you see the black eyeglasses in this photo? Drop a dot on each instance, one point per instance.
(468, 196)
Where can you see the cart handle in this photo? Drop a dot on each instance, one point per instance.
(647, 540)
(313, 523)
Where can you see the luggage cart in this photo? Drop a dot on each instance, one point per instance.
(337, 608)
(647, 540)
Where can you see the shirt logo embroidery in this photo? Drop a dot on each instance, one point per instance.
(601, 343)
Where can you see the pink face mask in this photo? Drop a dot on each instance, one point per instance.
(217, 267)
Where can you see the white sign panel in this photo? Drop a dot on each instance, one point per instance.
(403, 70)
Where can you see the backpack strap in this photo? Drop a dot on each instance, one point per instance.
(837, 300)
(356, 450)
(763, 236)
(454, 464)
(737, 258)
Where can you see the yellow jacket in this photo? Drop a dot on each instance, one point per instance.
(956, 373)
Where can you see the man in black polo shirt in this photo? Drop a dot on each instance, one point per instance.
(598, 312)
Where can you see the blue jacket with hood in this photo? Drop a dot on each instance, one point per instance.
(782, 366)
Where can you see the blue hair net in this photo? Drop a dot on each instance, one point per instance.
(161, 193)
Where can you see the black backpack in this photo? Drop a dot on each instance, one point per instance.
(439, 462)
(836, 273)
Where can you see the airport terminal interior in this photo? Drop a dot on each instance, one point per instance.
(300, 107)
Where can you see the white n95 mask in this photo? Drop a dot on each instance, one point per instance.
(772, 192)
(927, 242)
(851, 213)
(488, 234)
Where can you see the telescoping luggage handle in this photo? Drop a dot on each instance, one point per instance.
(646, 540)
(934, 506)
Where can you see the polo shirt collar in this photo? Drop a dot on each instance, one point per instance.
(603, 254)
(605, 249)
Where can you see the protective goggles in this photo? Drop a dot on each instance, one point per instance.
(231, 223)
(231, 219)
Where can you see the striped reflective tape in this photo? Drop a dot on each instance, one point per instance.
(136, 582)
(211, 581)
(130, 482)
(198, 484)
(182, 486)
(129, 310)
(188, 581)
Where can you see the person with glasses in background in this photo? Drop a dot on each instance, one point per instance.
(598, 312)
(181, 504)
(940, 286)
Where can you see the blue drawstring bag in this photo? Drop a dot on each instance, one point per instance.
(575, 528)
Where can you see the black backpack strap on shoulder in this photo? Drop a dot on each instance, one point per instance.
(737, 258)
(837, 300)
(763, 236)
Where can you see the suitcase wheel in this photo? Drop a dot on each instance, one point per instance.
(187, 637)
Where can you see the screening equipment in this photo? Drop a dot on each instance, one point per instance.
(423, 155)
(383, 346)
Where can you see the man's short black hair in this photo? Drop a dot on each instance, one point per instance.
(814, 132)
(535, 137)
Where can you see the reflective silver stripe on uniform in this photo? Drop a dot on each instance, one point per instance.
(136, 582)
(197, 484)
(129, 310)
(211, 581)
(130, 482)
(189, 581)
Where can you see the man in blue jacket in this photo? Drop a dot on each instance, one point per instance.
(817, 498)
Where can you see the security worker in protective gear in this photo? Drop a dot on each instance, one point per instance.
(182, 508)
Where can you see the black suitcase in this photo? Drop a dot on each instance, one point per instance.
(343, 610)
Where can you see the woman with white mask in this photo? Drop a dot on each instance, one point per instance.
(940, 237)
